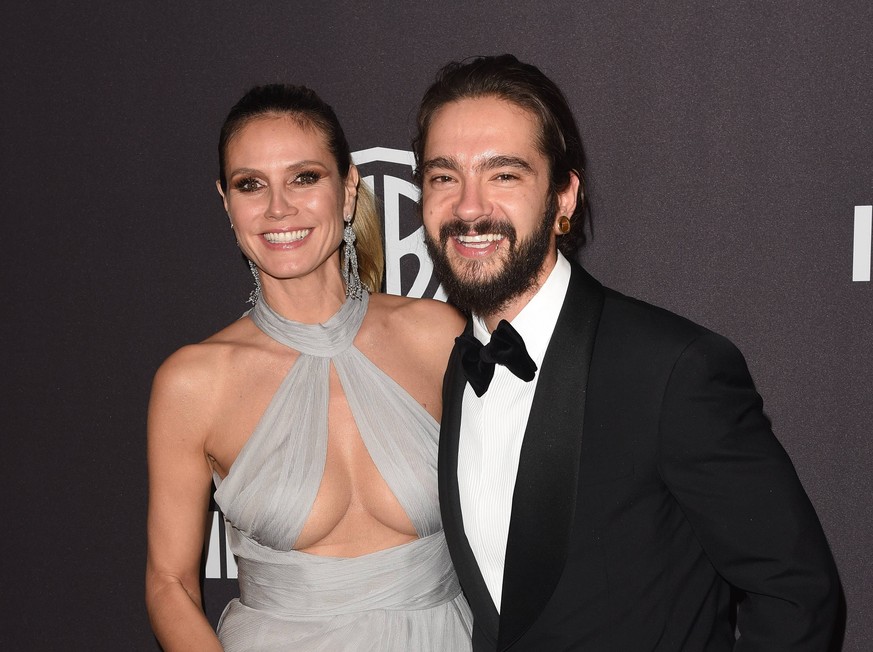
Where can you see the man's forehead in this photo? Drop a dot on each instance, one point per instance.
(484, 110)
(482, 128)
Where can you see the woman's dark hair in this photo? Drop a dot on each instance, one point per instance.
(524, 85)
(305, 107)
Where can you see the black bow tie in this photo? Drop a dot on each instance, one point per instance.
(506, 348)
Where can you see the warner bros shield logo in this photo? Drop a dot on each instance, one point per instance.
(408, 270)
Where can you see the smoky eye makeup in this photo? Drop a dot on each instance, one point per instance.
(246, 184)
(307, 177)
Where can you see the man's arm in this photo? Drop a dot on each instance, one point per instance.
(738, 489)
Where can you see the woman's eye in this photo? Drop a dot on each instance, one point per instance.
(307, 178)
(247, 184)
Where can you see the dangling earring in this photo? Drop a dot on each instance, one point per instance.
(255, 294)
(350, 262)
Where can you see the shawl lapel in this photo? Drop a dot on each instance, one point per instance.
(544, 500)
(470, 576)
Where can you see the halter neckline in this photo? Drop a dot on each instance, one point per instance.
(323, 340)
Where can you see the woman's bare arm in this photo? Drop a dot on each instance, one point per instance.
(179, 489)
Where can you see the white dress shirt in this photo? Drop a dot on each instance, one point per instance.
(492, 430)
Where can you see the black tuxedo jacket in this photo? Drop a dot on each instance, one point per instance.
(651, 495)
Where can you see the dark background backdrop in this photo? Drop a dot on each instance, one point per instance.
(728, 145)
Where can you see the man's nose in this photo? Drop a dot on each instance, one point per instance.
(472, 203)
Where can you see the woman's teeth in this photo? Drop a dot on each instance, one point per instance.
(286, 236)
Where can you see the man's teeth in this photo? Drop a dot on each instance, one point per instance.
(286, 236)
(480, 240)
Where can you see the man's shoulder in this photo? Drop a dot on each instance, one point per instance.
(651, 340)
(631, 327)
(636, 313)
(638, 325)
(626, 311)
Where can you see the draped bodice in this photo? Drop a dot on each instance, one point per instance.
(271, 487)
(402, 598)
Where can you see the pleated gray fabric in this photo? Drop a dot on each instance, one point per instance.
(403, 598)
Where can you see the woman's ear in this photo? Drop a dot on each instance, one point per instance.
(223, 200)
(351, 190)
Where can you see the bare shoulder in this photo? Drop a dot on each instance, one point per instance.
(425, 322)
(411, 340)
(192, 377)
(196, 363)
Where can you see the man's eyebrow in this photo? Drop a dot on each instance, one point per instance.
(487, 163)
(442, 162)
(504, 161)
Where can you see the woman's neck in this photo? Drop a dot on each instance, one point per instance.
(306, 300)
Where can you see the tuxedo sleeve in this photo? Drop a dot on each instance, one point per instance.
(738, 489)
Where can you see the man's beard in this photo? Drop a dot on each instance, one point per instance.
(470, 287)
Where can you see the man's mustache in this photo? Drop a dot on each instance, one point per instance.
(480, 227)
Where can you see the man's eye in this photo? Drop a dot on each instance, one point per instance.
(307, 178)
(247, 184)
(506, 176)
(440, 178)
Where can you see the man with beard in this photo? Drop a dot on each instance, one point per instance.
(608, 479)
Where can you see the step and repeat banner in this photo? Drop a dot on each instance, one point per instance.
(730, 172)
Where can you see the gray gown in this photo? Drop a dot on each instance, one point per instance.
(403, 598)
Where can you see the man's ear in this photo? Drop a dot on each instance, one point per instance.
(567, 200)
